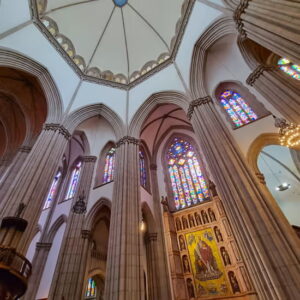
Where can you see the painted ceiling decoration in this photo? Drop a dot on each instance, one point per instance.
(117, 42)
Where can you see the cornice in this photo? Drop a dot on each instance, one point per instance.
(128, 140)
(259, 70)
(237, 16)
(37, 22)
(25, 149)
(42, 245)
(195, 103)
(89, 158)
(57, 127)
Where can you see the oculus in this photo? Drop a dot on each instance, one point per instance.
(120, 3)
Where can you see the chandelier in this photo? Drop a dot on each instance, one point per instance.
(289, 133)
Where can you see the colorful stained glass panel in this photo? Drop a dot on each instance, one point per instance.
(108, 174)
(52, 191)
(91, 288)
(289, 68)
(73, 182)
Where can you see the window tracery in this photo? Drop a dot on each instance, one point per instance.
(52, 191)
(109, 167)
(237, 108)
(289, 68)
(187, 181)
(91, 289)
(74, 181)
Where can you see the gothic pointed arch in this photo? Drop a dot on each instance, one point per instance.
(54, 228)
(9, 58)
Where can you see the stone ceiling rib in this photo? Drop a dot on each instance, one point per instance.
(126, 46)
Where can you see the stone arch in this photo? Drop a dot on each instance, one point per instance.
(92, 214)
(86, 112)
(54, 228)
(148, 215)
(85, 142)
(18, 61)
(167, 97)
(216, 30)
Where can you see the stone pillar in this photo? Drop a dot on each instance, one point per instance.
(278, 89)
(162, 273)
(177, 278)
(38, 265)
(274, 24)
(267, 242)
(31, 184)
(12, 170)
(68, 280)
(124, 278)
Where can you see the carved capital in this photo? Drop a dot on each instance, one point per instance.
(237, 16)
(153, 166)
(45, 246)
(256, 74)
(151, 237)
(25, 149)
(261, 178)
(197, 102)
(85, 234)
(127, 140)
(89, 158)
(57, 127)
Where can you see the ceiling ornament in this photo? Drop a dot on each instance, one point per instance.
(125, 36)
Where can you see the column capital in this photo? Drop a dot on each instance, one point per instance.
(151, 237)
(127, 140)
(261, 177)
(237, 16)
(25, 149)
(153, 166)
(256, 73)
(85, 234)
(42, 245)
(197, 102)
(89, 158)
(57, 127)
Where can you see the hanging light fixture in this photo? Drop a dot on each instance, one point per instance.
(289, 133)
(283, 187)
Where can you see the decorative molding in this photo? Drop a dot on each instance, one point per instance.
(151, 237)
(89, 158)
(197, 102)
(85, 234)
(256, 73)
(260, 177)
(237, 16)
(127, 140)
(45, 246)
(79, 206)
(153, 166)
(57, 127)
(25, 149)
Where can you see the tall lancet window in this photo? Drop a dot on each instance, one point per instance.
(90, 292)
(109, 167)
(74, 181)
(53, 190)
(143, 172)
(237, 108)
(188, 184)
(289, 68)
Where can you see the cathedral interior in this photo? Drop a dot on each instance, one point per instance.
(149, 150)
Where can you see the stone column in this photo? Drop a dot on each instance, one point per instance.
(124, 279)
(267, 242)
(68, 281)
(162, 273)
(278, 89)
(12, 170)
(38, 265)
(31, 184)
(274, 24)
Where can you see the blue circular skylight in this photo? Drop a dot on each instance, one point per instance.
(120, 3)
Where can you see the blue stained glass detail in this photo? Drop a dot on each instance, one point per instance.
(109, 167)
(52, 191)
(120, 3)
(91, 289)
(73, 182)
(187, 181)
(143, 173)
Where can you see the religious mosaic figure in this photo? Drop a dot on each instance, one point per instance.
(204, 217)
(185, 223)
(190, 288)
(218, 234)
(178, 224)
(186, 265)
(192, 222)
(181, 243)
(205, 262)
(225, 256)
(212, 215)
(234, 283)
(198, 219)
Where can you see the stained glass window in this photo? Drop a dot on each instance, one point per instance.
(289, 68)
(52, 190)
(143, 172)
(237, 108)
(91, 289)
(188, 184)
(109, 167)
(73, 182)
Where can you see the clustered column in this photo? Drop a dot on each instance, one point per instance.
(68, 281)
(280, 92)
(270, 247)
(34, 178)
(124, 273)
(272, 24)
